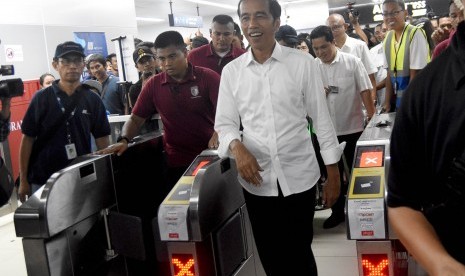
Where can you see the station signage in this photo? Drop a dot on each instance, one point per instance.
(186, 21)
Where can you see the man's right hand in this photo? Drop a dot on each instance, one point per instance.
(246, 163)
(439, 35)
(117, 148)
(24, 190)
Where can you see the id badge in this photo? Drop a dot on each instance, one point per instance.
(71, 151)
(333, 89)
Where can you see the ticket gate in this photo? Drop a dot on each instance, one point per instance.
(87, 220)
(203, 222)
(379, 252)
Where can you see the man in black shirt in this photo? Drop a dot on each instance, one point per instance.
(146, 64)
(429, 133)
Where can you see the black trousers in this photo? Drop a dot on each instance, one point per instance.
(349, 152)
(283, 232)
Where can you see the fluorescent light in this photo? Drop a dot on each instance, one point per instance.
(149, 19)
(209, 3)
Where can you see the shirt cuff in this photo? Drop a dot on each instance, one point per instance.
(333, 155)
(225, 140)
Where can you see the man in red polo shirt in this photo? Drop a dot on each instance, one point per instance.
(220, 51)
(185, 96)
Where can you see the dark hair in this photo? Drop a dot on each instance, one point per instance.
(42, 78)
(379, 25)
(199, 41)
(146, 44)
(444, 15)
(401, 3)
(96, 58)
(369, 35)
(137, 41)
(169, 38)
(427, 26)
(308, 43)
(223, 19)
(110, 56)
(273, 5)
(237, 29)
(322, 31)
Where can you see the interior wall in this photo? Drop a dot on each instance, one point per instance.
(303, 16)
(40, 25)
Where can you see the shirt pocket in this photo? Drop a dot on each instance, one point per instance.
(344, 83)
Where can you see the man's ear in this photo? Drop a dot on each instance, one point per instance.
(55, 64)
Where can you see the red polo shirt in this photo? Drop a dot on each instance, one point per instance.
(205, 56)
(187, 110)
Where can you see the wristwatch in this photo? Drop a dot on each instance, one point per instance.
(121, 138)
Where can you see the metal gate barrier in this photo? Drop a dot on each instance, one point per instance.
(379, 252)
(203, 222)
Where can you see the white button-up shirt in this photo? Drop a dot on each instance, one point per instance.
(348, 77)
(379, 58)
(272, 100)
(360, 49)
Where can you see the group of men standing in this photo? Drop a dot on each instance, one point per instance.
(251, 106)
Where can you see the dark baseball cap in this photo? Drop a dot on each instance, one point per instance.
(286, 33)
(69, 47)
(141, 52)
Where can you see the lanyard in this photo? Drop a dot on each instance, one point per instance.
(68, 131)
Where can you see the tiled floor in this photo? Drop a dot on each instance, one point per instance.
(335, 255)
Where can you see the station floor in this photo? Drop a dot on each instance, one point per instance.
(335, 255)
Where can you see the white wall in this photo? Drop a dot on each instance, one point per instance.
(40, 25)
(301, 16)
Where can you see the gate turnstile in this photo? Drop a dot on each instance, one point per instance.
(74, 224)
(378, 249)
(204, 224)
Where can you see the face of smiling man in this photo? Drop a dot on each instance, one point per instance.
(258, 24)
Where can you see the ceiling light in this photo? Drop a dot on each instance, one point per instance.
(210, 3)
(147, 19)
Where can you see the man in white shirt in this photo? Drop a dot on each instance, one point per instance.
(347, 87)
(378, 58)
(271, 89)
(352, 46)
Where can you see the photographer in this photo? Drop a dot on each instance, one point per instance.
(426, 187)
(5, 118)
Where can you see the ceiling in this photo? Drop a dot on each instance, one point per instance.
(159, 9)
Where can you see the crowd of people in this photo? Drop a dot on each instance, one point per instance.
(252, 103)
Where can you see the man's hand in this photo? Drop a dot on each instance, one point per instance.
(5, 113)
(246, 163)
(214, 142)
(332, 188)
(439, 35)
(118, 148)
(24, 190)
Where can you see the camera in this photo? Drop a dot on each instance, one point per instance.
(11, 87)
(352, 10)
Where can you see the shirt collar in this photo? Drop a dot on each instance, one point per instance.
(277, 54)
(211, 51)
(165, 78)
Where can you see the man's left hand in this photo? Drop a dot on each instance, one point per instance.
(214, 142)
(332, 187)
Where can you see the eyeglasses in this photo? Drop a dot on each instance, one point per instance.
(78, 61)
(392, 14)
(336, 27)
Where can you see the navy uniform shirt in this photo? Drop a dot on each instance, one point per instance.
(44, 111)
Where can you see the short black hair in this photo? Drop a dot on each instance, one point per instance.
(237, 29)
(110, 56)
(148, 44)
(223, 19)
(169, 38)
(96, 58)
(322, 31)
(444, 15)
(275, 8)
(379, 25)
(42, 78)
(401, 3)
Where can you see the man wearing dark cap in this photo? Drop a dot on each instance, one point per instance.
(220, 50)
(287, 36)
(185, 96)
(147, 66)
(59, 122)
